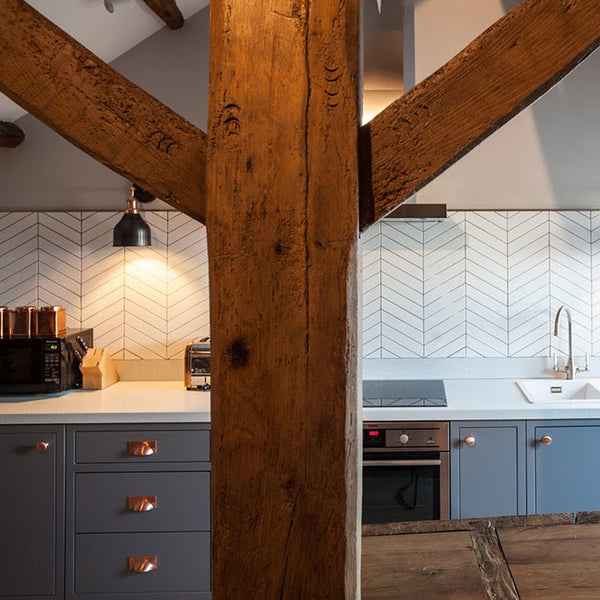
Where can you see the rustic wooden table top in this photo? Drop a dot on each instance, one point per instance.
(532, 557)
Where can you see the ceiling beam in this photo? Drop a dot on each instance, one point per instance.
(499, 74)
(168, 11)
(11, 135)
(71, 90)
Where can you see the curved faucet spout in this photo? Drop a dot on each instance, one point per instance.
(570, 366)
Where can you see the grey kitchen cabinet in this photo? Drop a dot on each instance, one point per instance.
(31, 512)
(487, 469)
(563, 466)
(138, 512)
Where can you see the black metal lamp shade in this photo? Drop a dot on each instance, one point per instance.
(132, 230)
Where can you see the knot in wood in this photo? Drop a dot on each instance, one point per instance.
(238, 354)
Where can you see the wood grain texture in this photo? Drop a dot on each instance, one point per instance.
(428, 566)
(495, 573)
(554, 563)
(282, 238)
(83, 99)
(168, 11)
(499, 74)
(11, 135)
(468, 524)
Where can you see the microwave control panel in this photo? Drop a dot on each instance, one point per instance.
(51, 361)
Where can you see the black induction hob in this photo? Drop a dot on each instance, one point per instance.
(404, 392)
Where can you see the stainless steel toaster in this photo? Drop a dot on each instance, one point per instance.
(197, 365)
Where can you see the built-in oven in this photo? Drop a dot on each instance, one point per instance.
(405, 472)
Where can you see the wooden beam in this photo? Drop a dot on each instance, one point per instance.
(497, 579)
(71, 90)
(168, 11)
(282, 222)
(11, 135)
(499, 74)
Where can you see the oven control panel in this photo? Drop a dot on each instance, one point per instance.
(405, 435)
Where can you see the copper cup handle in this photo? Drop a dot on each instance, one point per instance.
(141, 503)
(42, 447)
(142, 448)
(142, 564)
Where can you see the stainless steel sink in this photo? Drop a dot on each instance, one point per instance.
(551, 391)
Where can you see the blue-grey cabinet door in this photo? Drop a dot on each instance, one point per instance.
(487, 469)
(564, 466)
(31, 512)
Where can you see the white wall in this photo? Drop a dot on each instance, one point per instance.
(547, 157)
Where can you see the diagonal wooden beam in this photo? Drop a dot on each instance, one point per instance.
(71, 90)
(11, 135)
(168, 11)
(495, 77)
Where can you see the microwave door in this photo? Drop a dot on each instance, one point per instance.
(20, 364)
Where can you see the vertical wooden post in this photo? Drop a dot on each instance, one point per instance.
(282, 226)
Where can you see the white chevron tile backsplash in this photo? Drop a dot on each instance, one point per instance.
(528, 284)
(484, 283)
(595, 252)
(444, 287)
(402, 289)
(371, 292)
(142, 302)
(571, 276)
(487, 283)
(18, 252)
(187, 283)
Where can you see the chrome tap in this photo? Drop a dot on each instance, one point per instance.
(569, 369)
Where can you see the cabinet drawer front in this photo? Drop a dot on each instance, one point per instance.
(102, 563)
(143, 446)
(139, 502)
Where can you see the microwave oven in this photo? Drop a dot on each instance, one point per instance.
(43, 365)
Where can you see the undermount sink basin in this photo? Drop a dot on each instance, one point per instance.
(545, 391)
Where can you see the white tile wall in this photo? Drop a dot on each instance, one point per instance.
(476, 284)
(142, 302)
(481, 284)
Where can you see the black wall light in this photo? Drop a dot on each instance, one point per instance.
(132, 230)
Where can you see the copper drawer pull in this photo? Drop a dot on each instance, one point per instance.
(143, 448)
(142, 564)
(141, 503)
(42, 447)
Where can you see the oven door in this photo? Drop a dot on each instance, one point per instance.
(402, 486)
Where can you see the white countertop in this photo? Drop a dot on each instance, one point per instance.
(170, 402)
(124, 402)
(486, 399)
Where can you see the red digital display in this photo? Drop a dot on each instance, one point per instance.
(373, 433)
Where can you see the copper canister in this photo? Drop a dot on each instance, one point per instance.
(24, 323)
(5, 322)
(51, 321)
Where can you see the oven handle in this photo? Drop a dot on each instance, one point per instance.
(402, 463)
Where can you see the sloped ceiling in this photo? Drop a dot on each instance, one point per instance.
(107, 35)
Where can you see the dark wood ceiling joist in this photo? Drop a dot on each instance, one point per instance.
(499, 74)
(71, 90)
(168, 11)
(11, 135)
